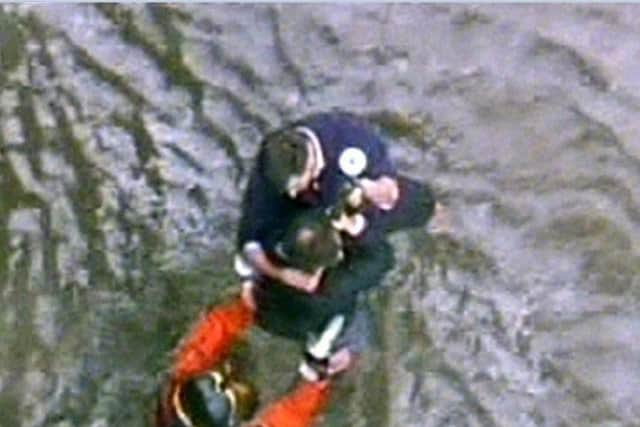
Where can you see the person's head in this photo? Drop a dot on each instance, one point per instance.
(213, 400)
(311, 242)
(292, 160)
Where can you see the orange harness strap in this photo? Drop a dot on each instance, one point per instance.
(300, 408)
(211, 339)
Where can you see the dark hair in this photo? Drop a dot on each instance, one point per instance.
(311, 242)
(285, 155)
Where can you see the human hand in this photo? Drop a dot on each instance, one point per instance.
(441, 222)
(301, 280)
(340, 361)
(382, 192)
(353, 225)
(298, 279)
(321, 359)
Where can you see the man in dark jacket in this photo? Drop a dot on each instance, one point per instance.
(323, 161)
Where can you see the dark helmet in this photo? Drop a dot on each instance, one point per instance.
(213, 400)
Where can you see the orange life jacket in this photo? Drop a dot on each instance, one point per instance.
(210, 342)
(300, 408)
(212, 339)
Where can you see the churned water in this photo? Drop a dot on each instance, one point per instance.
(126, 133)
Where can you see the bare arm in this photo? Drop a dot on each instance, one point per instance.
(258, 259)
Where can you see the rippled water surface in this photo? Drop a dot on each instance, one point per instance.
(126, 133)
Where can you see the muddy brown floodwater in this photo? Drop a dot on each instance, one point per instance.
(126, 133)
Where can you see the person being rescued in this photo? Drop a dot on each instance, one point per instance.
(310, 244)
(332, 162)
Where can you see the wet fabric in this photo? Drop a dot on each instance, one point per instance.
(285, 311)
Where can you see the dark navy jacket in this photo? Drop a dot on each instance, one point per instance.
(267, 212)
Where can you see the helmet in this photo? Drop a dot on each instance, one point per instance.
(213, 400)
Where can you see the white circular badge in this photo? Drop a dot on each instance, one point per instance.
(352, 161)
